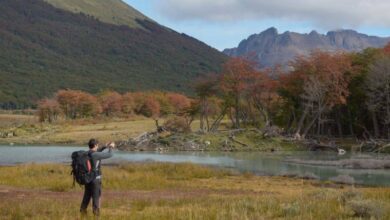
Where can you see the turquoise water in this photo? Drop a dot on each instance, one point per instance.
(257, 163)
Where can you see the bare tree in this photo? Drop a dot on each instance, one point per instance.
(378, 92)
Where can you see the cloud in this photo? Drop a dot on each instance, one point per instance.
(324, 13)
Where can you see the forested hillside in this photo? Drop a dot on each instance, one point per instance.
(43, 49)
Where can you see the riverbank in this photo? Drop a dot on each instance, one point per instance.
(184, 191)
(25, 130)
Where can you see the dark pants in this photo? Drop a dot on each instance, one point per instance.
(92, 190)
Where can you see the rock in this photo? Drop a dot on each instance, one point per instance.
(343, 179)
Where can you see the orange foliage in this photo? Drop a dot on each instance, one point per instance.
(77, 104)
(111, 103)
(237, 73)
(48, 110)
(128, 103)
(179, 102)
(331, 69)
(386, 49)
(150, 108)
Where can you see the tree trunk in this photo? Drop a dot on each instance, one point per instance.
(375, 124)
(338, 122)
(237, 113)
(216, 123)
(307, 129)
(301, 121)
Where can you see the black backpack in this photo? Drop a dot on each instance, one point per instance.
(82, 167)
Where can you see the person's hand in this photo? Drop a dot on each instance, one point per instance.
(111, 145)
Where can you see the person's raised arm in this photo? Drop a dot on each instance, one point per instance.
(100, 155)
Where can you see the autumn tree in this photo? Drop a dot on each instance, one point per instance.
(386, 49)
(150, 108)
(48, 110)
(263, 94)
(77, 104)
(179, 102)
(320, 80)
(237, 74)
(111, 103)
(128, 103)
(205, 87)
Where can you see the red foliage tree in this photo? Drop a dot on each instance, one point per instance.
(128, 103)
(150, 108)
(77, 104)
(386, 49)
(320, 80)
(236, 76)
(48, 110)
(111, 103)
(179, 102)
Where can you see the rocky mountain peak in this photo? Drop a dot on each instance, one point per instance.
(272, 48)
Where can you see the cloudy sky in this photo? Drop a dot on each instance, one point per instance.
(224, 23)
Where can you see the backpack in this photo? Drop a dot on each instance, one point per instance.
(82, 168)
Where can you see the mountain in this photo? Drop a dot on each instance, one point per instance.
(270, 48)
(92, 45)
(109, 11)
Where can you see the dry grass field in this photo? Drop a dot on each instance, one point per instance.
(184, 191)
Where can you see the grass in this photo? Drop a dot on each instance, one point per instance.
(27, 130)
(12, 120)
(110, 11)
(183, 191)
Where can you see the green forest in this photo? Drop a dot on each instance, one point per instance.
(44, 49)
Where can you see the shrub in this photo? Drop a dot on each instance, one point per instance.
(111, 103)
(366, 208)
(344, 179)
(77, 104)
(128, 103)
(48, 110)
(177, 124)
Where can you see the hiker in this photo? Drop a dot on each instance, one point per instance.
(93, 189)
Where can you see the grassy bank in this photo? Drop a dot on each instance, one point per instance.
(25, 129)
(183, 191)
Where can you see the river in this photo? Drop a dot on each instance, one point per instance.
(253, 162)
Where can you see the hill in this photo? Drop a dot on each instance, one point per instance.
(44, 48)
(270, 48)
(109, 11)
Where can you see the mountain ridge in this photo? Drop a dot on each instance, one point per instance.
(271, 48)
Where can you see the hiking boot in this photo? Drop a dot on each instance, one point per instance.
(96, 212)
(83, 213)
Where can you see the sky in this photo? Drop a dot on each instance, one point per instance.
(225, 23)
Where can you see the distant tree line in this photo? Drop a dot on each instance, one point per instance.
(75, 104)
(321, 94)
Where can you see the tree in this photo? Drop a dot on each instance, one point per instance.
(237, 74)
(179, 102)
(263, 94)
(48, 110)
(150, 108)
(322, 78)
(77, 104)
(205, 88)
(386, 49)
(378, 91)
(111, 103)
(128, 103)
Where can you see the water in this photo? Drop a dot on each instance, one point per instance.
(257, 163)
